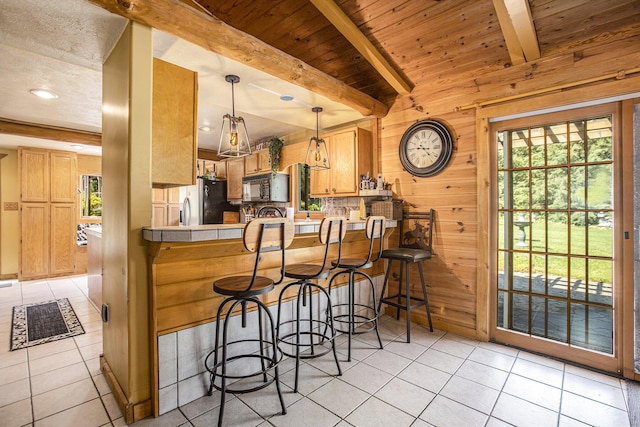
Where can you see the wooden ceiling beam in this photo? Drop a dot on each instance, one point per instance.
(54, 133)
(201, 28)
(518, 29)
(352, 33)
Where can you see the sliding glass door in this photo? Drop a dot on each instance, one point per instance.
(555, 281)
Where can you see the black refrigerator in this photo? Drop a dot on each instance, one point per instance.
(214, 201)
(204, 202)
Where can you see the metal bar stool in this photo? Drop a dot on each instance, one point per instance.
(303, 338)
(367, 314)
(414, 248)
(261, 235)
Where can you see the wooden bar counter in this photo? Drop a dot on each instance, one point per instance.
(185, 261)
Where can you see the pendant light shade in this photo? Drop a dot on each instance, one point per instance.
(317, 153)
(234, 139)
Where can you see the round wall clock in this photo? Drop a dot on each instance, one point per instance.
(426, 148)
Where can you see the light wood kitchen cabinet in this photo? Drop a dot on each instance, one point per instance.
(48, 176)
(174, 125)
(63, 243)
(64, 177)
(34, 175)
(350, 157)
(49, 212)
(165, 206)
(257, 163)
(235, 172)
(34, 249)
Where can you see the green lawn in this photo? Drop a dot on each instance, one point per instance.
(564, 250)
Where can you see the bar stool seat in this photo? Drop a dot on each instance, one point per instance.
(236, 286)
(414, 248)
(406, 254)
(238, 357)
(308, 332)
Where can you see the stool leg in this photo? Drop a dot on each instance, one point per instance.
(261, 340)
(274, 348)
(299, 301)
(223, 380)
(407, 299)
(384, 284)
(333, 330)
(376, 312)
(307, 287)
(402, 264)
(215, 347)
(424, 292)
(350, 308)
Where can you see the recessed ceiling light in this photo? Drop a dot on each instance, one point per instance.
(43, 93)
(286, 97)
(206, 128)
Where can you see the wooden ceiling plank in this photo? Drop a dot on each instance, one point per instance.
(522, 20)
(54, 133)
(213, 34)
(509, 32)
(352, 33)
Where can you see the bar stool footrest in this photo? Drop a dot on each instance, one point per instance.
(271, 364)
(388, 300)
(289, 339)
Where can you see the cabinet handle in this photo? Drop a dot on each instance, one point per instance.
(333, 189)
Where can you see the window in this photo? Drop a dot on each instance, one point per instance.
(91, 188)
(305, 201)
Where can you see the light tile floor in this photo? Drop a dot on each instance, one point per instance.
(438, 379)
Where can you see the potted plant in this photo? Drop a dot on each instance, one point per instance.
(275, 152)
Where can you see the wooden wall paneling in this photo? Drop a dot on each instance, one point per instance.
(184, 273)
(63, 238)
(34, 236)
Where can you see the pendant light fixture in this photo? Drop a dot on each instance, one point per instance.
(317, 153)
(234, 139)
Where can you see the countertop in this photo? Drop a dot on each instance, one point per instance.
(199, 233)
(96, 231)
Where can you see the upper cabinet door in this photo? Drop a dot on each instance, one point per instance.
(64, 177)
(175, 115)
(344, 158)
(34, 175)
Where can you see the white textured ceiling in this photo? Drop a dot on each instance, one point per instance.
(60, 45)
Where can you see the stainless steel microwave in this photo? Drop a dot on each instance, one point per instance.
(265, 188)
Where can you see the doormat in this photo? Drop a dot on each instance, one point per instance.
(43, 322)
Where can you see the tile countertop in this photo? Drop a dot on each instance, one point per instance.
(199, 233)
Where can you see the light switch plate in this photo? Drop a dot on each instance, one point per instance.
(11, 206)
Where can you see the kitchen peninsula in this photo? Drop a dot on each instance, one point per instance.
(183, 263)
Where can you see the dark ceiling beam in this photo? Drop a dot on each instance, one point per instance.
(194, 25)
(54, 133)
(352, 33)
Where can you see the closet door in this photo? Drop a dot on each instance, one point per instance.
(64, 177)
(34, 254)
(63, 238)
(34, 175)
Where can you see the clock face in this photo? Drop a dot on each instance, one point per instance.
(426, 148)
